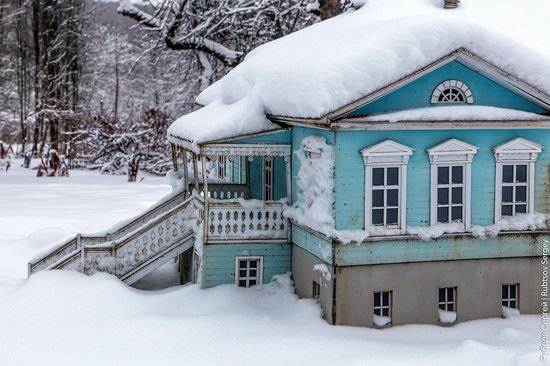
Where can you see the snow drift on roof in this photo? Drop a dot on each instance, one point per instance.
(324, 67)
(456, 113)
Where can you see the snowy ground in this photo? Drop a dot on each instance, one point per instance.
(65, 318)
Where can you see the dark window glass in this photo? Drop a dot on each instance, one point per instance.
(507, 173)
(442, 196)
(378, 216)
(391, 216)
(513, 292)
(242, 273)
(507, 194)
(504, 303)
(513, 304)
(443, 175)
(377, 312)
(242, 283)
(242, 264)
(505, 291)
(521, 194)
(521, 208)
(252, 273)
(377, 176)
(521, 173)
(441, 294)
(450, 294)
(392, 197)
(442, 214)
(456, 213)
(385, 312)
(393, 176)
(253, 264)
(450, 307)
(377, 299)
(378, 198)
(457, 174)
(251, 282)
(506, 210)
(457, 195)
(385, 298)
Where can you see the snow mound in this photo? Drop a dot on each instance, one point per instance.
(447, 317)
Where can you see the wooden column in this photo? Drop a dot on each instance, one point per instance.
(195, 172)
(185, 171)
(174, 157)
(205, 190)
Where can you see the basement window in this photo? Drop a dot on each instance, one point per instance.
(510, 296)
(316, 291)
(248, 271)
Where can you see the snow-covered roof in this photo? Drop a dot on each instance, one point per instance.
(324, 67)
(456, 113)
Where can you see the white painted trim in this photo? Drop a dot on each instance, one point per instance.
(387, 154)
(516, 151)
(452, 84)
(266, 185)
(260, 273)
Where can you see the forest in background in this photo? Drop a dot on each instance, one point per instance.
(97, 83)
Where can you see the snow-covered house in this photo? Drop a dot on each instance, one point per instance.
(394, 160)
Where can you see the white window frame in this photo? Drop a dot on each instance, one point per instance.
(452, 84)
(259, 272)
(509, 298)
(382, 307)
(446, 302)
(268, 185)
(387, 154)
(518, 151)
(451, 153)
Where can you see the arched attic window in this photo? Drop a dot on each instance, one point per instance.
(452, 92)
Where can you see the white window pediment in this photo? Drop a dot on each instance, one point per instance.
(517, 149)
(452, 150)
(387, 152)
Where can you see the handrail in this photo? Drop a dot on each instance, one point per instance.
(46, 259)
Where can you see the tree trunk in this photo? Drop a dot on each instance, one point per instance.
(329, 8)
(133, 167)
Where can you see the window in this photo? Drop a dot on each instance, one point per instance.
(248, 271)
(510, 296)
(268, 178)
(447, 299)
(316, 290)
(451, 182)
(383, 303)
(222, 162)
(515, 177)
(453, 92)
(386, 185)
(385, 196)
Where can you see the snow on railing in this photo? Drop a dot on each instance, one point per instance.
(233, 221)
(124, 256)
(225, 191)
(54, 255)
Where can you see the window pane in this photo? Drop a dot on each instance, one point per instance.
(251, 282)
(456, 213)
(521, 194)
(252, 273)
(377, 299)
(378, 198)
(507, 194)
(521, 173)
(505, 292)
(242, 264)
(385, 298)
(392, 197)
(521, 208)
(507, 173)
(443, 196)
(450, 307)
(506, 210)
(443, 175)
(242, 283)
(450, 294)
(242, 273)
(442, 306)
(457, 174)
(441, 294)
(513, 304)
(442, 214)
(457, 195)
(391, 216)
(385, 312)
(393, 176)
(504, 303)
(512, 292)
(378, 312)
(378, 216)
(253, 264)
(377, 176)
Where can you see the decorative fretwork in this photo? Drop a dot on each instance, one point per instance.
(225, 191)
(231, 150)
(230, 222)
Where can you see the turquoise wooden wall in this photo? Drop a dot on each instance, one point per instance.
(218, 262)
(350, 172)
(441, 249)
(418, 93)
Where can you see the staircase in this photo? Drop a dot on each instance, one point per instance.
(133, 249)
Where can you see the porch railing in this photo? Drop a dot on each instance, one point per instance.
(224, 191)
(232, 221)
